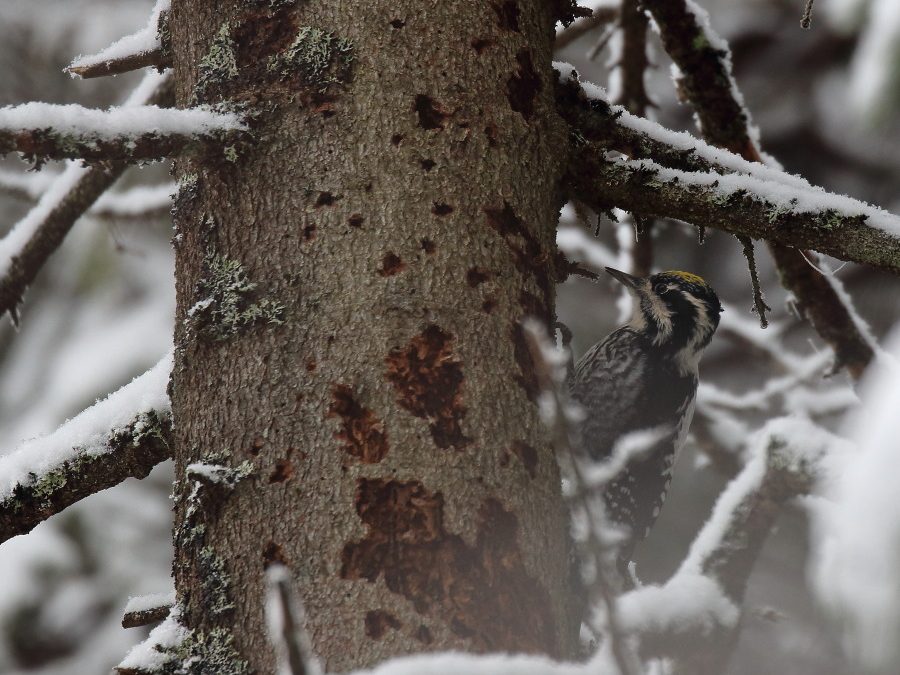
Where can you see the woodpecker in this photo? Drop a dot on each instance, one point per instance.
(643, 376)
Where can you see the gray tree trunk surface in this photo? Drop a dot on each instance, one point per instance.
(349, 289)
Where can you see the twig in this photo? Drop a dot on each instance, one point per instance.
(806, 19)
(157, 58)
(601, 17)
(562, 421)
(144, 617)
(759, 302)
(285, 616)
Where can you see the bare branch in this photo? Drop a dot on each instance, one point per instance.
(25, 250)
(704, 61)
(759, 302)
(128, 453)
(653, 190)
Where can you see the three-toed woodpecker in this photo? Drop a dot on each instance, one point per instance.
(643, 376)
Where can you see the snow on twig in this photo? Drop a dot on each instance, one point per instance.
(138, 50)
(156, 651)
(146, 609)
(124, 435)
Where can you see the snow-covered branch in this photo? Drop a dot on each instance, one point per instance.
(703, 75)
(31, 241)
(147, 47)
(740, 204)
(124, 435)
(143, 610)
(286, 619)
(603, 12)
(42, 131)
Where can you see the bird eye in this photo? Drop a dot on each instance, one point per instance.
(660, 289)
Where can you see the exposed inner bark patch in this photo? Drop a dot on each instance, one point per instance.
(524, 85)
(526, 377)
(428, 246)
(356, 220)
(431, 115)
(491, 132)
(396, 139)
(378, 621)
(325, 199)
(398, 24)
(423, 635)
(428, 379)
(361, 431)
(483, 591)
(480, 44)
(441, 209)
(391, 264)
(477, 276)
(283, 471)
(527, 455)
(309, 232)
(273, 553)
(507, 15)
(427, 164)
(489, 305)
(528, 256)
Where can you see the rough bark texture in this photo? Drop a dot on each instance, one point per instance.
(366, 263)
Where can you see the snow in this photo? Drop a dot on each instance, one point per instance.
(149, 655)
(87, 434)
(784, 190)
(22, 232)
(144, 603)
(856, 537)
(136, 201)
(786, 198)
(579, 245)
(688, 602)
(115, 123)
(453, 663)
(803, 448)
(145, 40)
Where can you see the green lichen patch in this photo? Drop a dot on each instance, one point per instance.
(215, 582)
(317, 57)
(220, 63)
(229, 303)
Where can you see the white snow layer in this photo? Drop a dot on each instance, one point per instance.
(150, 655)
(144, 603)
(87, 434)
(143, 41)
(453, 663)
(784, 190)
(126, 121)
(856, 558)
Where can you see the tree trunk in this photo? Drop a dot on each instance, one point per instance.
(348, 345)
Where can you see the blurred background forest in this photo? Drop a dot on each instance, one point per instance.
(826, 103)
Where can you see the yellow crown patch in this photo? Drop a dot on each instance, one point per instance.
(688, 277)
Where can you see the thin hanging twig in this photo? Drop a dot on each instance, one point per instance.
(759, 302)
(806, 19)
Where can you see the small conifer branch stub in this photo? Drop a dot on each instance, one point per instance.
(706, 81)
(156, 58)
(601, 16)
(130, 453)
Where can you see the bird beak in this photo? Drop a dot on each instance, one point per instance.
(630, 282)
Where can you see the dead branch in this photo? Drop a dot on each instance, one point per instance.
(602, 16)
(157, 58)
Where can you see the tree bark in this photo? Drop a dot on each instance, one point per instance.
(348, 344)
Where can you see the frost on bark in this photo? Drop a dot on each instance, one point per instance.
(398, 207)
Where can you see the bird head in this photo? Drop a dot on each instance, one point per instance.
(677, 311)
